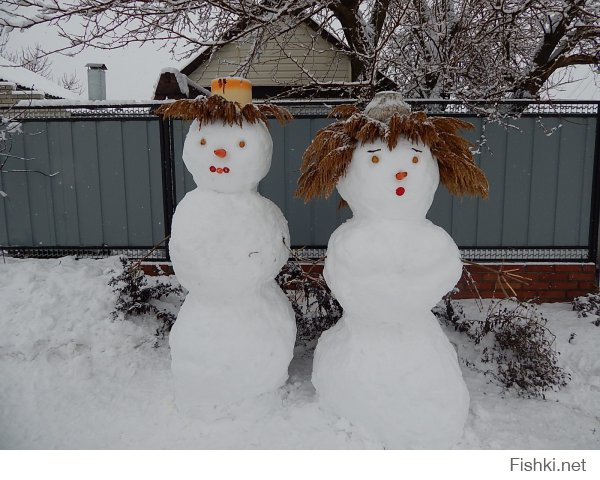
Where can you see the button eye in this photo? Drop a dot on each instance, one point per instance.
(203, 142)
(242, 144)
(415, 159)
(375, 159)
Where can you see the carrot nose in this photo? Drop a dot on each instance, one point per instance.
(401, 175)
(220, 152)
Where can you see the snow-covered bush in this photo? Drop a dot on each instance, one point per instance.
(8, 127)
(588, 306)
(515, 346)
(136, 296)
(315, 307)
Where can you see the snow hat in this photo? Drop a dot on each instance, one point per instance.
(234, 89)
(386, 104)
(388, 118)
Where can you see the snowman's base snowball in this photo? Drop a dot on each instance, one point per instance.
(226, 352)
(401, 385)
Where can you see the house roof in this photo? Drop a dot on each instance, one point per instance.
(168, 86)
(28, 80)
(207, 52)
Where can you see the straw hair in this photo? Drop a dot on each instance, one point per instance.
(327, 158)
(216, 108)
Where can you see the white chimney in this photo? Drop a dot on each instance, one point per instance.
(96, 81)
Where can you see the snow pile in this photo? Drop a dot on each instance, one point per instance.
(567, 419)
(62, 354)
(74, 378)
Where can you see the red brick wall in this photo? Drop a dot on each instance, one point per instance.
(544, 282)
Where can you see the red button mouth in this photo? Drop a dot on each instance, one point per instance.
(214, 169)
(400, 191)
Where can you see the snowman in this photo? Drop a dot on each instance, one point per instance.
(386, 365)
(234, 335)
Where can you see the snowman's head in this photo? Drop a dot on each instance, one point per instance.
(228, 147)
(388, 162)
(228, 158)
(397, 183)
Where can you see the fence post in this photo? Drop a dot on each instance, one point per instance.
(168, 176)
(594, 247)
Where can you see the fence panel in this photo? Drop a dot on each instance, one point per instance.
(107, 187)
(540, 185)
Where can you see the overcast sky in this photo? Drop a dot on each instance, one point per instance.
(132, 72)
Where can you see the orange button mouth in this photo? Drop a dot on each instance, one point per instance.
(220, 152)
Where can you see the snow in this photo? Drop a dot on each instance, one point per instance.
(385, 104)
(183, 81)
(87, 103)
(234, 335)
(11, 72)
(73, 378)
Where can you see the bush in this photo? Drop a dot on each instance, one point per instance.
(515, 341)
(136, 297)
(588, 306)
(315, 307)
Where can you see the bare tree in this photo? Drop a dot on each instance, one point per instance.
(71, 82)
(31, 57)
(35, 59)
(431, 48)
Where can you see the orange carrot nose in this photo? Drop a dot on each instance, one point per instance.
(220, 152)
(401, 175)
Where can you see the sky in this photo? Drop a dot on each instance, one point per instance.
(132, 72)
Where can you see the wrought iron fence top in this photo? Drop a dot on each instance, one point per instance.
(40, 109)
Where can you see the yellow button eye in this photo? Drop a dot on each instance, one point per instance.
(375, 159)
(202, 142)
(415, 159)
(242, 144)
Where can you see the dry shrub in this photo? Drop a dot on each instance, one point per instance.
(514, 340)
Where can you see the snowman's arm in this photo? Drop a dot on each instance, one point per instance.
(441, 266)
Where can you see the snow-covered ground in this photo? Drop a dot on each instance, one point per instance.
(71, 377)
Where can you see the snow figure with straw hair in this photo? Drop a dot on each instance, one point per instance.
(386, 365)
(234, 335)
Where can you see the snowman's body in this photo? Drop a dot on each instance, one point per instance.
(234, 335)
(387, 365)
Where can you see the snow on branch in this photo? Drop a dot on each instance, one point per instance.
(452, 49)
